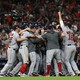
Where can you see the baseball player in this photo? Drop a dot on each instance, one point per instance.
(64, 72)
(32, 51)
(16, 69)
(11, 51)
(39, 67)
(53, 48)
(69, 48)
(23, 50)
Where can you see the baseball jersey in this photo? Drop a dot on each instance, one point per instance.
(12, 39)
(52, 38)
(32, 43)
(68, 39)
(25, 34)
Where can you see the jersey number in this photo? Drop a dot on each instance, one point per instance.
(70, 34)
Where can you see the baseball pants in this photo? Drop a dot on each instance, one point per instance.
(33, 62)
(18, 65)
(69, 54)
(11, 59)
(24, 53)
(36, 68)
(51, 53)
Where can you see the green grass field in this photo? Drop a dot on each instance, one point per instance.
(40, 78)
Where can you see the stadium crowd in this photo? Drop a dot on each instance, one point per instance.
(41, 12)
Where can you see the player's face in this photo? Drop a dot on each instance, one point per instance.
(34, 30)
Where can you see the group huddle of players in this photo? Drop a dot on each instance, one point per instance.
(34, 50)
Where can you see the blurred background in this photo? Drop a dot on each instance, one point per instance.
(42, 11)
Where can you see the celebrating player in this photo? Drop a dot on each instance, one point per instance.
(69, 48)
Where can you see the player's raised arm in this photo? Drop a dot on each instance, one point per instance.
(61, 21)
(60, 17)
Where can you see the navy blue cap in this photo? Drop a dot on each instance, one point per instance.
(24, 25)
(36, 24)
(32, 25)
(39, 25)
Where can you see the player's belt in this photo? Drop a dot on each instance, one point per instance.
(22, 45)
(13, 48)
(12, 44)
(69, 44)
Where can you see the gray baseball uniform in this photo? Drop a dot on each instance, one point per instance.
(16, 68)
(32, 54)
(69, 50)
(53, 48)
(23, 50)
(11, 51)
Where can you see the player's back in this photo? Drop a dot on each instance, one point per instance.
(68, 39)
(52, 40)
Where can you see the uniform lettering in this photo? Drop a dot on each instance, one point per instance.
(70, 35)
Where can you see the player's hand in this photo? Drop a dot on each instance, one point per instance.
(39, 36)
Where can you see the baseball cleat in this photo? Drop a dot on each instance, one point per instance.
(60, 74)
(10, 75)
(46, 75)
(1, 75)
(78, 74)
(23, 75)
(35, 74)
